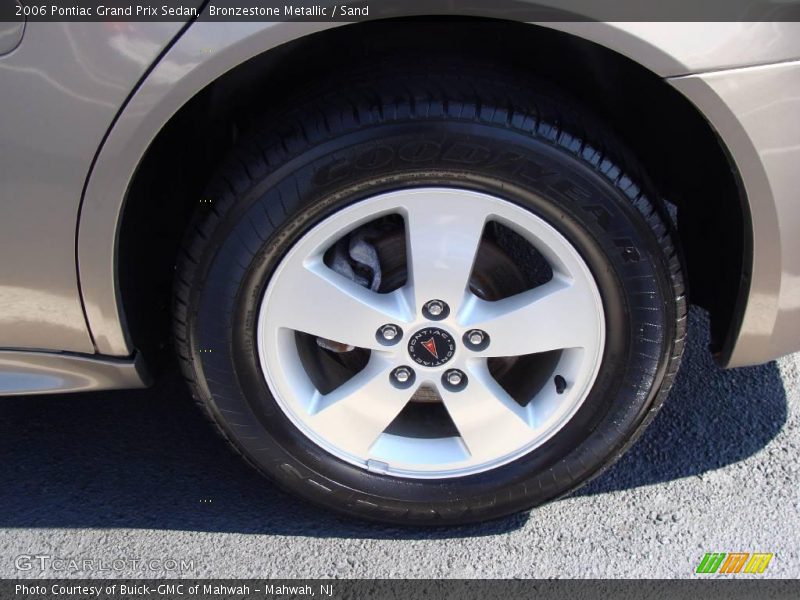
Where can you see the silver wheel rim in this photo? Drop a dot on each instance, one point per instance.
(443, 230)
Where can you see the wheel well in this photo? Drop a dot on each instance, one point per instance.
(677, 147)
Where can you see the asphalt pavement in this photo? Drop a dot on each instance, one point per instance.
(116, 477)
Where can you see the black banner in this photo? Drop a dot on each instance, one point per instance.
(361, 10)
(458, 589)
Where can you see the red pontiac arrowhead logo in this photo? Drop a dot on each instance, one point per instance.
(430, 346)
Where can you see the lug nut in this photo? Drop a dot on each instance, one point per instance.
(403, 377)
(435, 310)
(454, 378)
(475, 339)
(389, 334)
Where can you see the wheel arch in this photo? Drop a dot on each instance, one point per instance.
(186, 113)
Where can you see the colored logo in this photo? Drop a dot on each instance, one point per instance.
(734, 562)
(430, 346)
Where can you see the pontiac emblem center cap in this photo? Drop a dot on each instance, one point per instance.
(431, 347)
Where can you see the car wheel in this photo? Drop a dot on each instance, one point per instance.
(424, 299)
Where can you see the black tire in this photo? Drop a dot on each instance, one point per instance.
(502, 134)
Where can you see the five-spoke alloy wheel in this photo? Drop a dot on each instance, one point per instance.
(443, 232)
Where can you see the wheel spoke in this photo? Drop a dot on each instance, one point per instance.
(321, 302)
(489, 421)
(443, 237)
(353, 415)
(559, 314)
